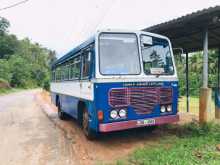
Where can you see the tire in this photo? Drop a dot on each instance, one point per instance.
(61, 114)
(91, 135)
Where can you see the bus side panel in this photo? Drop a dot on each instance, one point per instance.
(69, 105)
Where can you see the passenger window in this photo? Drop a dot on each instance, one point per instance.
(86, 60)
(66, 72)
(75, 68)
(58, 74)
(62, 72)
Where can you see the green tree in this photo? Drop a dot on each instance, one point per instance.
(4, 25)
(5, 70)
(23, 63)
(8, 45)
(20, 72)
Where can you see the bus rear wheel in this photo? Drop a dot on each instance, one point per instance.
(61, 114)
(91, 135)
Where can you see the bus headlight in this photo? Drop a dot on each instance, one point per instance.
(122, 113)
(162, 109)
(113, 114)
(169, 108)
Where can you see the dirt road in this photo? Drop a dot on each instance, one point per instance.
(27, 136)
(31, 133)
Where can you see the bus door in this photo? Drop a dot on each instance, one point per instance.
(85, 83)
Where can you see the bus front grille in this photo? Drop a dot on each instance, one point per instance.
(143, 99)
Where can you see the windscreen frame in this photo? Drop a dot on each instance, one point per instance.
(138, 54)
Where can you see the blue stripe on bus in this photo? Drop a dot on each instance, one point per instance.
(69, 103)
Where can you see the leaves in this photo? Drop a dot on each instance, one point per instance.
(22, 63)
(4, 25)
(195, 72)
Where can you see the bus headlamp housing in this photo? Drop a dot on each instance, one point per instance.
(165, 108)
(122, 113)
(118, 113)
(113, 114)
(169, 108)
(162, 109)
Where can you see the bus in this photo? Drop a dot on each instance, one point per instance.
(117, 80)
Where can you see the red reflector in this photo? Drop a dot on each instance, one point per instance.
(100, 115)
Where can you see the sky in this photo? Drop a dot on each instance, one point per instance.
(61, 25)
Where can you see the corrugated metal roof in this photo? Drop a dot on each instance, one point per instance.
(187, 31)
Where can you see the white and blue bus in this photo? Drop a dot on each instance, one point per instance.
(117, 80)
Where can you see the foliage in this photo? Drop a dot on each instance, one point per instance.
(46, 84)
(189, 144)
(4, 84)
(9, 90)
(4, 24)
(22, 63)
(5, 70)
(195, 72)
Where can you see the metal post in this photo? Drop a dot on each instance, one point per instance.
(187, 82)
(218, 86)
(205, 92)
(217, 101)
(205, 59)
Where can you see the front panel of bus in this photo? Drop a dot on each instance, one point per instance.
(137, 84)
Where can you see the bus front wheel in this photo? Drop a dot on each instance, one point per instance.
(85, 125)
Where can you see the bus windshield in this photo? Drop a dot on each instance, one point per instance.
(119, 54)
(157, 59)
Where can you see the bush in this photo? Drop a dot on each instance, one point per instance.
(5, 70)
(4, 84)
(46, 85)
(21, 73)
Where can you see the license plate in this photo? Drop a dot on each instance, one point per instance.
(146, 122)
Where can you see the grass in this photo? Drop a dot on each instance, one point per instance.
(191, 144)
(9, 90)
(193, 105)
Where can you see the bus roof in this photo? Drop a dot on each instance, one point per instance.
(73, 51)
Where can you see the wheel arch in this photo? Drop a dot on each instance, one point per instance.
(80, 108)
(89, 106)
(57, 99)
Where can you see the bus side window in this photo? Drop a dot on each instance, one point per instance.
(86, 60)
(66, 72)
(75, 68)
(57, 74)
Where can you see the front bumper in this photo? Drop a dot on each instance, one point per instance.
(123, 125)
